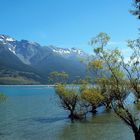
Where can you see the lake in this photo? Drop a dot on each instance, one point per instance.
(34, 113)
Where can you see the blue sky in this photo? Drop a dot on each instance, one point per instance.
(68, 23)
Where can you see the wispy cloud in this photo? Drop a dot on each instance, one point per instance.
(117, 43)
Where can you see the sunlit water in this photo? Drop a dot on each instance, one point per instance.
(34, 113)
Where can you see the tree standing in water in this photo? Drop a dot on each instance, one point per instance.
(118, 83)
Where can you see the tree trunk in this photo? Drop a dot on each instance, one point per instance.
(71, 116)
(136, 132)
(93, 110)
(76, 116)
(108, 106)
(137, 136)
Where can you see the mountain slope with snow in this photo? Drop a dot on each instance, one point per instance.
(45, 59)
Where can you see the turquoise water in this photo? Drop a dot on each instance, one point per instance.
(34, 113)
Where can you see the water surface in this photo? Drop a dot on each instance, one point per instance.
(34, 113)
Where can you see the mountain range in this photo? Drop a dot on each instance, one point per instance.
(26, 62)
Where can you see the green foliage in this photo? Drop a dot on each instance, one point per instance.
(67, 94)
(136, 10)
(85, 80)
(92, 96)
(101, 40)
(2, 97)
(122, 112)
(69, 99)
(121, 79)
(58, 77)
(138, 105)
(118, 72)
(96, 64)
(82, 81)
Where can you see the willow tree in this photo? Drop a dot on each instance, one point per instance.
(69, 100)
(118, 83)
(78, 102)
(92, 98)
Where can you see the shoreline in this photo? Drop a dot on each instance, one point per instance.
(30, 85)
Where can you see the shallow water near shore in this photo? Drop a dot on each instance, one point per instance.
(34, 113)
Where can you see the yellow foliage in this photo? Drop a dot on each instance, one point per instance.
(138, 105)
(98, 64)
(65, 93)
(92, 95)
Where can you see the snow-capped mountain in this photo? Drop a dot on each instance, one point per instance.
(6, 39)
(67, 51)
(43, 59)
(26, 50)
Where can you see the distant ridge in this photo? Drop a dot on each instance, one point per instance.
(25, 62)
